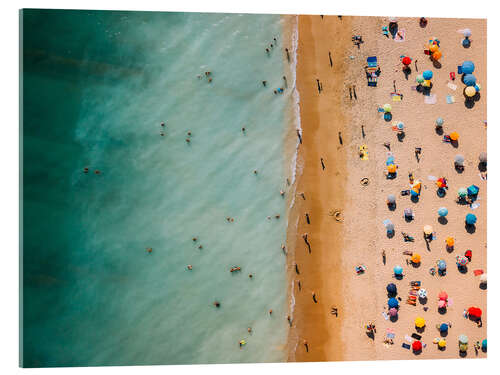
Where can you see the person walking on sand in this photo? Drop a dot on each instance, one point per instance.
(314, 297)
(297, 269)
(363, 131)
(304, 236)
(286, 83)
(287, 54)
(307, 218)
(354, 92)
(299, 284)
(303, 196)
(330, 57)
(306, 345)
(289, 320)
(322, 164)
(340, 139)
(299, 136)
(319, 86)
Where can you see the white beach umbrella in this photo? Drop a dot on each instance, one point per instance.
(484, 278)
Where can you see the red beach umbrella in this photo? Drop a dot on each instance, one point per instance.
(406, 60)
(475, 312)
(443, 296)
(416, 346)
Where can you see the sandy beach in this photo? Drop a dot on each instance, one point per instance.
(360, 237)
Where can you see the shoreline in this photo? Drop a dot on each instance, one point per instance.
(321, 121)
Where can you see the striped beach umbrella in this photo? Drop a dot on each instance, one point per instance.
(422, 293)
(461, 260)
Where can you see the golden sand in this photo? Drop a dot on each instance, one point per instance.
(338, 247)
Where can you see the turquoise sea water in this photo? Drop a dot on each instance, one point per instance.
(96, 86)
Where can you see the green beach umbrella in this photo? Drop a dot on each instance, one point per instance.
(420, 78)
(462, 192)
(387, 107)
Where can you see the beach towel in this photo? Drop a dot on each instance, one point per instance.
(474, 206)
(390, 333)
(400, 35)
(396, 96)
(452, 86)
(450, 99)
(384, 314)
(431, 99)
(478, 272)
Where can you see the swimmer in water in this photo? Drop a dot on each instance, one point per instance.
(85, 170)
(189, 267)
(195, 239)
(271, 312)
(243, 129)
(188, 140)
(200, 247)
(97, 171)
(249, 329)
(235, 268)
(189, 133)
(282, 192)
(217, 304)
(250, 276)
(149, 250)
(277, 216)
(162, 124)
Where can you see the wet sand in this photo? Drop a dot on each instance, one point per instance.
(338, 247)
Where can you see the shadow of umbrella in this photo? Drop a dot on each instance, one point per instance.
(442, 220)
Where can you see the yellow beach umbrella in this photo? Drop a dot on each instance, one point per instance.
(470, 91)
(427, 229)
(391, 168)
(450, 241)
(433, 48)
(415, 258)
(420, 322)
(442, 343)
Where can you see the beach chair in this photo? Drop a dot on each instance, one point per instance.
(372, 71)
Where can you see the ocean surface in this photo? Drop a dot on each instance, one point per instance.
(96, 86)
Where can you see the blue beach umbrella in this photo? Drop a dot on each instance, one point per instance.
(472, 190)
(393, 302)
(439, 121)
(468, 67)
(469, 80)
(427, 74)
(443, 327)
(443, 211)
(400, 126)
(442, 265)
(398, 270)
(390, 160)
(391, 288)
(484, 344)
(470, 219)
(476, 86)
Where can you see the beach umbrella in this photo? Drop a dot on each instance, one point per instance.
(406, 60)
(427, 74)
(483, 157)
(454, 136)
(427, 229)
(441, 304)
(443, 211)
(439, 121)
(470, 91)
(459, 160)
(389, 227)
(391, 288)
(393, 303)
(422, 293)
(483, 278)
(437, 55)
(472, 190)
(415, 258)
(463, 339)
(391, 168)
(391, 198)
(441, 265)
(390, 160)
(419, 78)
(400, 126)
(387, 108)
(450, 242)
(469, 80)
(442, 343)
(470, 219)
(475, 312)
(398, 270)
(419, 322)
(416, 346)
(393, 19)
(441, 182)
(477, 86)
(443, 295)
(433, 48)
(443, 327)
(467, 33)
(461, 260)
(462, 192)
(414, 192)
(467, 67)
(393, 311)
(408, 212)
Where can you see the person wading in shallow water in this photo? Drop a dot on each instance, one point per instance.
(307, 219)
